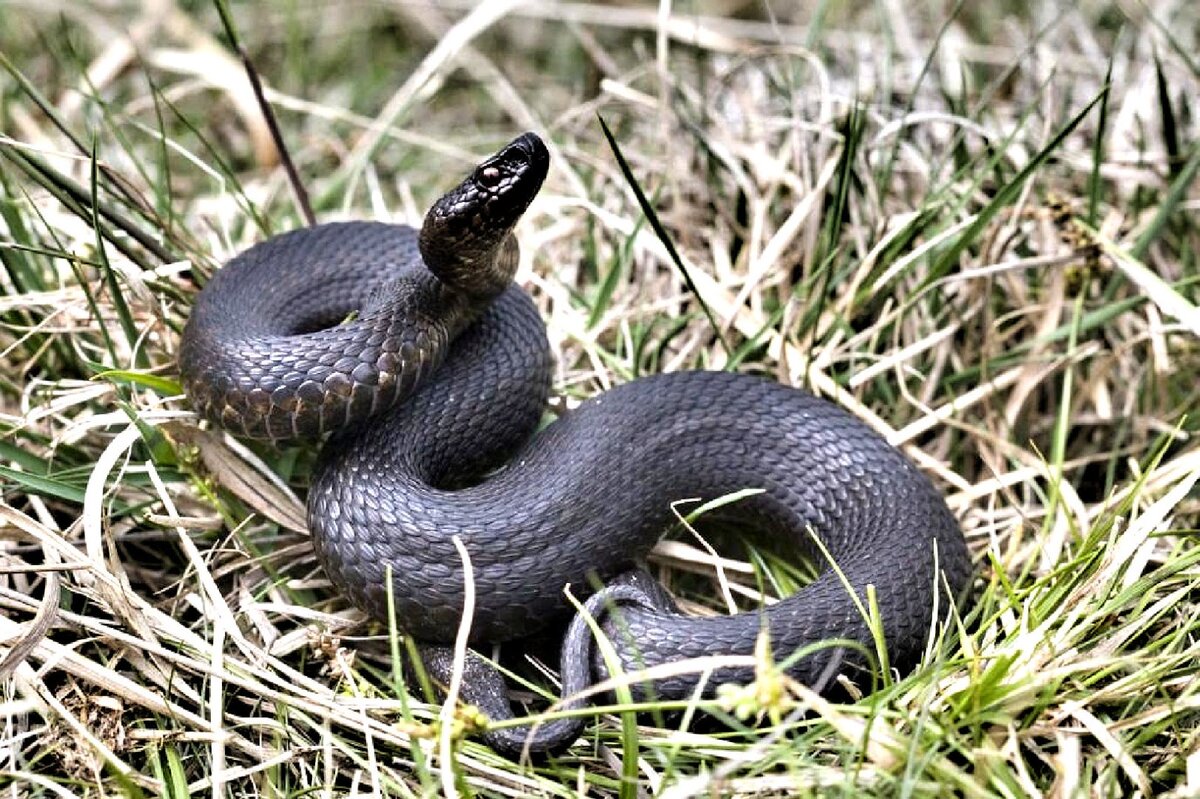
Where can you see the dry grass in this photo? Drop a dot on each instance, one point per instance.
(941, 222)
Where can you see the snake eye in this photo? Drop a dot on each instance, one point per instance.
(488, 177)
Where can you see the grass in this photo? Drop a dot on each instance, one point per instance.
(974, 227)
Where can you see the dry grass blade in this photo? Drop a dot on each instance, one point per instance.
(24, 644)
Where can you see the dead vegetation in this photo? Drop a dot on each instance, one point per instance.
(977, 231)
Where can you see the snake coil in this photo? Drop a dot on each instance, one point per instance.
(440, 377)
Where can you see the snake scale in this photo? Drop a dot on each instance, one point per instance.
(426, 372)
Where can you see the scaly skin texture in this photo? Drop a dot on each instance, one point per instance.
(264, 356)
(591, 494)
(585, 498)
(265, 353)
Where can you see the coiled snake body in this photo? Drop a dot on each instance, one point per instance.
(412, 438)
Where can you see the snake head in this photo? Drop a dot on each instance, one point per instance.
(466, 239)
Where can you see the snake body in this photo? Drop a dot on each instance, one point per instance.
(442, 379)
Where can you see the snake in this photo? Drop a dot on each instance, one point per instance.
(424, 371)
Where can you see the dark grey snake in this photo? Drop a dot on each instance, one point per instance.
(343, 329)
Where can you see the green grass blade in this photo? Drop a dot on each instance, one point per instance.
(661, 233)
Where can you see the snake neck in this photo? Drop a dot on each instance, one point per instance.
(476, 269)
